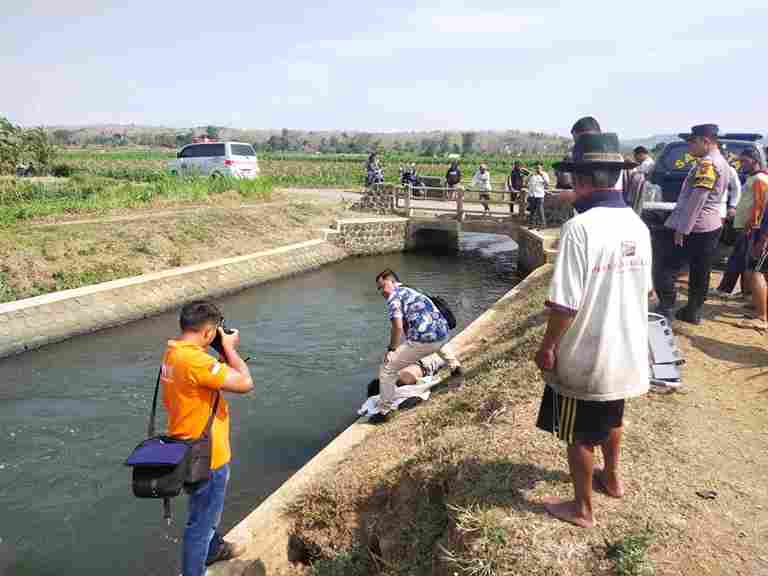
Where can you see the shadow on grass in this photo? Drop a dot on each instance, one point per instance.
(401, 520)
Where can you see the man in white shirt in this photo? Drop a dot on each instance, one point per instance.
(595, 350)
(730, 200)
(538, 182)
(644, 160)
(482, 181)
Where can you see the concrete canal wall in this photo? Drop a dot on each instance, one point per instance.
(265, 531)
(34, 322)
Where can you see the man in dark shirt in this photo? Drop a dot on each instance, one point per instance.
(516, 183)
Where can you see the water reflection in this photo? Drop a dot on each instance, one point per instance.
(70, 413)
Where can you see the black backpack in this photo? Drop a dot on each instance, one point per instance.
(444, 309)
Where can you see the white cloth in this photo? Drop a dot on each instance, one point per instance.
(405, 355)
(732, 197)
(402, 393)
(537, 184)
(602, 277)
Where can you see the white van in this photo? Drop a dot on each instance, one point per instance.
(235, 159)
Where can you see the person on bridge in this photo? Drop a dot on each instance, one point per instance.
(516, 183)
(374, 174)
(452, 178)
(192, 385)
(417, 329)
(482, 181)
(594, 353)
(538, 182)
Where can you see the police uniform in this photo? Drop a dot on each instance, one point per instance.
(697, 217)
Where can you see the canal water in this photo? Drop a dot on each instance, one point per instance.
(70, 413)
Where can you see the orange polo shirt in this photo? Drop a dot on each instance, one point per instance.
(190, 379)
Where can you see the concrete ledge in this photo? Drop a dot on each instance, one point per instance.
(265, 531)
(34, 322)
(536, 248)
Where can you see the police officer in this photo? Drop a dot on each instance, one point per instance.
(692, 231)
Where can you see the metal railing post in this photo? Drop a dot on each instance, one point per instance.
(408, 194)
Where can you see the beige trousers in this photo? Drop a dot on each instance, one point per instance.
(406, 354)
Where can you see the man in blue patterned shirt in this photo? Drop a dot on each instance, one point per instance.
(418, 329)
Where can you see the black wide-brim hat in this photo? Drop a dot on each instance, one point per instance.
(704, 130)
(593, 152)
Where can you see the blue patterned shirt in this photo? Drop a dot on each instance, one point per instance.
(422, 320)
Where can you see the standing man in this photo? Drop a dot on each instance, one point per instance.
(747, 218)
(417, 329)
(644, 160)
(584, 125)
(693, 229)
(595, 351)
(482, 181)
(757, 187)
(452, 178)
(193, 382)
(538, 182)
(515, 185)
(732, 196)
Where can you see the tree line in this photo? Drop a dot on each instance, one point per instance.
(324, 142)
(28, 149)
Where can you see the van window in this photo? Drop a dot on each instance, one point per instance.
(242, 150)
(676, 156)
(208, 150)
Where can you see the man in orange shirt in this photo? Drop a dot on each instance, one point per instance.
(757, 186)
(192, 382)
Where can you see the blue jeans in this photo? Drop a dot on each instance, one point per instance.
(201, 540)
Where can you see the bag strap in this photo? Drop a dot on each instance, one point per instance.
(153, 413)
(151, 427)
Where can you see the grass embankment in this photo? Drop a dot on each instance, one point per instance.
(455, 486)
(32, 198)
(172, 227)
(297, 170)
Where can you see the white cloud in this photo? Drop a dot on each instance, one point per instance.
(472, 23)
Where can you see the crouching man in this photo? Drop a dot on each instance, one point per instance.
(192, 385)
(595, 351)
(418, 329)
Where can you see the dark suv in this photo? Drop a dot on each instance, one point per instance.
(673, 165)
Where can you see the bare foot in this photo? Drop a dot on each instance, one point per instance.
(568, 511)
(613, 487)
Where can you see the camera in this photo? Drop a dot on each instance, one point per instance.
(216, 344)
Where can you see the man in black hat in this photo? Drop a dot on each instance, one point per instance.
(693, 229)
(584, 125)
(594, 354)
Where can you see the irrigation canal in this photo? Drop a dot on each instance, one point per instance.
(70, 413)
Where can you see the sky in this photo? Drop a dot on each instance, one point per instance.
(643, 68)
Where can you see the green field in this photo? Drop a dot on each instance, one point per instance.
(284, 169)
(97, 181)
(29, 198)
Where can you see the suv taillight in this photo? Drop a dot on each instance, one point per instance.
(229, 162)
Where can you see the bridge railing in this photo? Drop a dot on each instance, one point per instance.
(455, 200)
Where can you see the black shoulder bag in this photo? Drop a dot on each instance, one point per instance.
(163, 465)
(444, 309)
